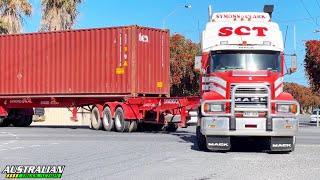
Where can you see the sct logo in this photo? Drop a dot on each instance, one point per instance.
(242, 31)
(143, 38)
(219, 144)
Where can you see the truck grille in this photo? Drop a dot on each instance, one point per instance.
(257, 90)
(250, 98)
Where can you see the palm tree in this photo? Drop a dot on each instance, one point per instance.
(58, 14)
(11, 15)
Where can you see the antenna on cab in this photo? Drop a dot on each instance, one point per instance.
(209, 12)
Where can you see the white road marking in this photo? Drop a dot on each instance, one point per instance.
(12, 134)
(308, 145)
(3, 149)
(35, 145)
(14, 148)
(54, 143)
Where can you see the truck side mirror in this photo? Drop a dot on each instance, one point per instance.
(197, 63)
(293, 67)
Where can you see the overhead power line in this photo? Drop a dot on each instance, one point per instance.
(318, 3)
(304, 6)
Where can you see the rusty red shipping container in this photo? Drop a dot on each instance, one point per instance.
(129, 60)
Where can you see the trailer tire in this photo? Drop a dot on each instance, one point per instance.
(22, 121)
(133, 126)
(95, 119)
(119, 120)
(201, 140)
(27, 121)
(4, 122)
(107, 121)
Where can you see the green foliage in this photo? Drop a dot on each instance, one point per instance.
(59, 14)
(11, 15)
(3, 28)
(184, 80)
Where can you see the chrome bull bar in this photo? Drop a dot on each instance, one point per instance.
(268, 109)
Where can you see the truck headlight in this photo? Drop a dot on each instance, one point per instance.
(287, 108)
(208, 107)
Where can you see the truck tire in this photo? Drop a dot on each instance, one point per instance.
(133, 126)
(107, 121)
(294, 144)
(121, 124)
(201, 140)
(4, 122)
(22, 121)
(96, 122)
(171, 127)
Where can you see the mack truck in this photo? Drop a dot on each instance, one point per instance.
(242, 74)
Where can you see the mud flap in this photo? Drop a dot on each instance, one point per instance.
(218, 143)
(281, 144)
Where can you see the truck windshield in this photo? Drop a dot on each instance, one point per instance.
(245, 60)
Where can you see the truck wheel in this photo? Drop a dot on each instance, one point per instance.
(4, 122)
(121, 124)
(201, 140)
(171, 127)
(95, 119)
(107, 121)
(293, 144)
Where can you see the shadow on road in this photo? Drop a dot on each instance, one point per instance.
(241, 144)
(59, 126)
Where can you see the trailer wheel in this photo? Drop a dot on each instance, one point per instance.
(121, 124)
(95, 119)
(107, 121)
(4, 122)
(201, 140)
(27, 121)
(22, 121)
(133, 126)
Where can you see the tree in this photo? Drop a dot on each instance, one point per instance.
(184, 80)
(312, 64)
(11, 15)
(58, 14)
(3, 28)
(304, 95)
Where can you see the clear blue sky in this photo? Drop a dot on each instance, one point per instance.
(102, 13)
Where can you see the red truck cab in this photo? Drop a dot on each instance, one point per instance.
(242, 68)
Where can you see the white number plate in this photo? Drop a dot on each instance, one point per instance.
(250, 114)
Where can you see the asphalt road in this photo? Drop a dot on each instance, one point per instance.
(90, 154)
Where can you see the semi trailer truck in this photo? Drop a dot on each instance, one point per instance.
(120, 74)
(242, 72)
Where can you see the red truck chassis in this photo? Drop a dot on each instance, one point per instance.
(128, 111)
